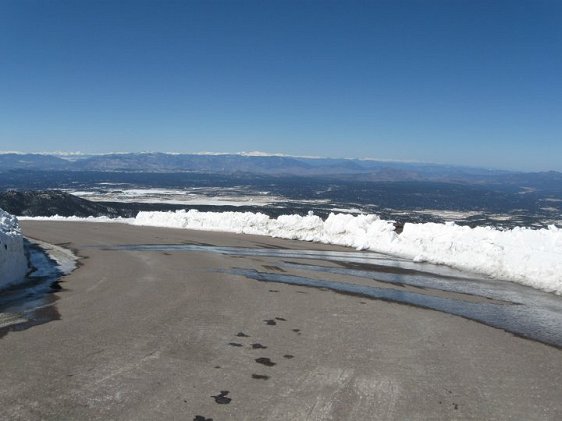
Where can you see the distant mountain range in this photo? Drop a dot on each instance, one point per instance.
(339, 169)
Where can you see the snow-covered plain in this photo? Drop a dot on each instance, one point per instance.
(192, 196)
(209, 196)
(13, 261)
(526, 256)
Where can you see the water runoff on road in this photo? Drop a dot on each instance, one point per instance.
(515, 308)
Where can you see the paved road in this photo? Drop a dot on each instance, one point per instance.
(147, 335)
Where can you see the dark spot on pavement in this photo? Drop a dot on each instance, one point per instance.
(281, 319)
(234, 344)
(288, 356)
(456, 405)
(296, 330)
(221, 398)
(265, 361)
(273, 290)
(258, 346)
(270, 322)
(260, 376)
(201, 418)
(56, 286)
(242, 335)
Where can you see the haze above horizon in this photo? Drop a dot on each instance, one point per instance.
(464, 83)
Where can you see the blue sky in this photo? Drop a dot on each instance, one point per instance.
(460, 82)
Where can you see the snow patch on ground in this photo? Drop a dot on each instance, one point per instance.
(526, 256)
(65, 260)
(13, 261)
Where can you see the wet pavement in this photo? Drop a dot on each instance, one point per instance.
(518, 309)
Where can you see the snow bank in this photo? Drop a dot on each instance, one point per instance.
(13, 261)
(107, 219)
(530, 257)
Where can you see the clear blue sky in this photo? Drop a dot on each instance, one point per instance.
(462, 82)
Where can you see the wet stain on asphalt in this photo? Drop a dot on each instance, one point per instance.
(265, 361)
(288, 356)
(242, 335)
(235, 344)
(260, 377)
(258, 346)
(517, 309)
(270, 322)
(221, 398)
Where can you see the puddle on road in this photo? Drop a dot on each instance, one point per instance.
(542, 324)
(518, 309)
(358, 257)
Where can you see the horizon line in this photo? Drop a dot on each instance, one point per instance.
(78, 154)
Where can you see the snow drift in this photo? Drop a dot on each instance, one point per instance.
(530, 257)
(13, 261)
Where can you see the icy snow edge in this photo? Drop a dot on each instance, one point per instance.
(13, 261)
(526, 256)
